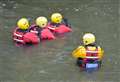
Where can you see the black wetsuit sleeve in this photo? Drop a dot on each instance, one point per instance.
(65, 21)
(39, 31)
(36, 28)
(30, 29)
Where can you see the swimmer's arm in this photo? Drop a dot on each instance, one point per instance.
(65, 21)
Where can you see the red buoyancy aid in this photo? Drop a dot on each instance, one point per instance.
(92, 54)
(45, 33)
(33, 29)
(18, 36)
(61, 29)
(24, 37)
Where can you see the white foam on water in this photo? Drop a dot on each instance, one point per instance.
(116, 63)
(66, 8)
(12, 1)
(3, 4)
(104, 13)
(95, 13)
(76, 9)
(60, 9)
(6, 27)
(14, 7)
(42, 72)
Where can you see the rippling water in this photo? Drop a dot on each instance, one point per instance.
(51, 61)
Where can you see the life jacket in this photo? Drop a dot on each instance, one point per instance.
(18, 35)
(34, 29)
(24, 36)
(91, 55)
(43, 33)
(59, 28)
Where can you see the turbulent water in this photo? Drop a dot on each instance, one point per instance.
(51, 61)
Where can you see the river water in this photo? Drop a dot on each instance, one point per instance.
(51, 61)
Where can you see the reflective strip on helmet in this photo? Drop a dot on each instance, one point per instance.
(18, 40)
(34, 31)
(92, 51)
(90, 57)
(18, 35)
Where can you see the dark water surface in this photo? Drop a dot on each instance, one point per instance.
(51, 61)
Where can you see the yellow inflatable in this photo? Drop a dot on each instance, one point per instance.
(81, 51)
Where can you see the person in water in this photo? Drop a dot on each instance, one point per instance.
(59, 24)
(21, 33)
(20, 30)
(89, 51)
(40, 28)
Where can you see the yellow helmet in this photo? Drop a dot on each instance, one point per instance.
(56, 18)
(41, 21)
(88, 38)
(23, 23)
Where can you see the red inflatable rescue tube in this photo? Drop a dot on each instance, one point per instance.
(31, 38)
(61, 29)
(47, 34)
(23, 38)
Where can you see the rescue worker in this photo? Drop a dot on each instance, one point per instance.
(89, 51)
(40, 28)
(22, 35)
(59, 24)
(21, 29)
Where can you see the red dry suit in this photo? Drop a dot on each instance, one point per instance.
(59, 28)
(24, 36)
(43, 33)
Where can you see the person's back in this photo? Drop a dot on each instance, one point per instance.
(22, 35)
(40, 29)
(58, 24)
(89, 52)
(84, 51)
(20, 30)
